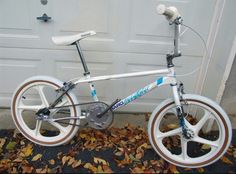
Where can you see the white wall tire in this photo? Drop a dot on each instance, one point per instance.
(217, 147)
(29, 97)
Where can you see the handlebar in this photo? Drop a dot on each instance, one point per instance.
(171, 13)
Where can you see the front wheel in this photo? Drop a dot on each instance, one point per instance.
(37, 93)
(205, 146)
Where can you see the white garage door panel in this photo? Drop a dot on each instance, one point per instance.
(86, 15)
(13, 72)
(131, 37)
(18, 24)
(82, 15)
(149, 32)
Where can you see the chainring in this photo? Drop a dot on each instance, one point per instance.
(96, 122)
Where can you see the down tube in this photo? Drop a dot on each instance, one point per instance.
(138, 93)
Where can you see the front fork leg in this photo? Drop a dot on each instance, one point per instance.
(177, 93)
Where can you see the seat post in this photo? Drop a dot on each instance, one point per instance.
(86, 71)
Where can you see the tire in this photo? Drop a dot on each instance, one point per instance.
(36, 93)
(204, 148)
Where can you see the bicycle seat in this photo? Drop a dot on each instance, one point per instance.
(68, 40)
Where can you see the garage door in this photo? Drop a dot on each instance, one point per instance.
(130, 37)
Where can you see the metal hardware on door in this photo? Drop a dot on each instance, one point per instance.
(44, 18)
(44, 2)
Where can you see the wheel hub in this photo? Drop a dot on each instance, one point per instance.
(188, 133)
(43, 114)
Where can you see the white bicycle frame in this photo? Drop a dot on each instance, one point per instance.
(169, 79)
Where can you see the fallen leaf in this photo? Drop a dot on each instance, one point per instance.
(126, 160)
(234, 153)
(200, 170)
(45, 169)
(226, 160)
(99, 169)
(93, 140)
(205, 147)
(107, 169)
(14, 170)
(52, 161)
(36, 157)
(187, 169)
(119, 153)
(76, 163)
(2, 142)
(64, 159)
(22, 143)
(11, 145)
(172, 126)
(90, 167)
(71, 161)
(18, 160)
(139, 155)
(100, 161)
(173, 169)
(27, 169)
(137, 170)
(82, 135)
(27, 151)
(59, 155)
(133, 158)
(38, 170)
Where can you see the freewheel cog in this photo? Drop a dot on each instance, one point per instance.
(94, 120)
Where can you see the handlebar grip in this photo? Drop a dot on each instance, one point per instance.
(171, 13)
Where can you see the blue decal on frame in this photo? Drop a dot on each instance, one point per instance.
(93, 93)
(159, 81)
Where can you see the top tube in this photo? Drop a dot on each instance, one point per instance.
(125, 75)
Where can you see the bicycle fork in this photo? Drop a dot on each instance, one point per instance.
(187, 133)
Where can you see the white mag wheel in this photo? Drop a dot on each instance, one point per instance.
(36, 93)
(208, 123)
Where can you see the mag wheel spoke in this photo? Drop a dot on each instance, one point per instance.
(202, 121)
(42, 96)
(205, 141)
(37, 127)
(58, 126)
(173, 132)
(29, 107)
(184, 146)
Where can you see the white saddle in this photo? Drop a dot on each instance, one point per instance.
(68, 40)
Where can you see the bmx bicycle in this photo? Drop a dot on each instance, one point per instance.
(45, 103)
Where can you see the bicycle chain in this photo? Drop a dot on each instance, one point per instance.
(87, 103)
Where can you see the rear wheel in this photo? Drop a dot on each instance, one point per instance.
(205, 147)
(37, 93)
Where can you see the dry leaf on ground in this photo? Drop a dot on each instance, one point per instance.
(226, 160)
(36, 157)
(26, 151)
